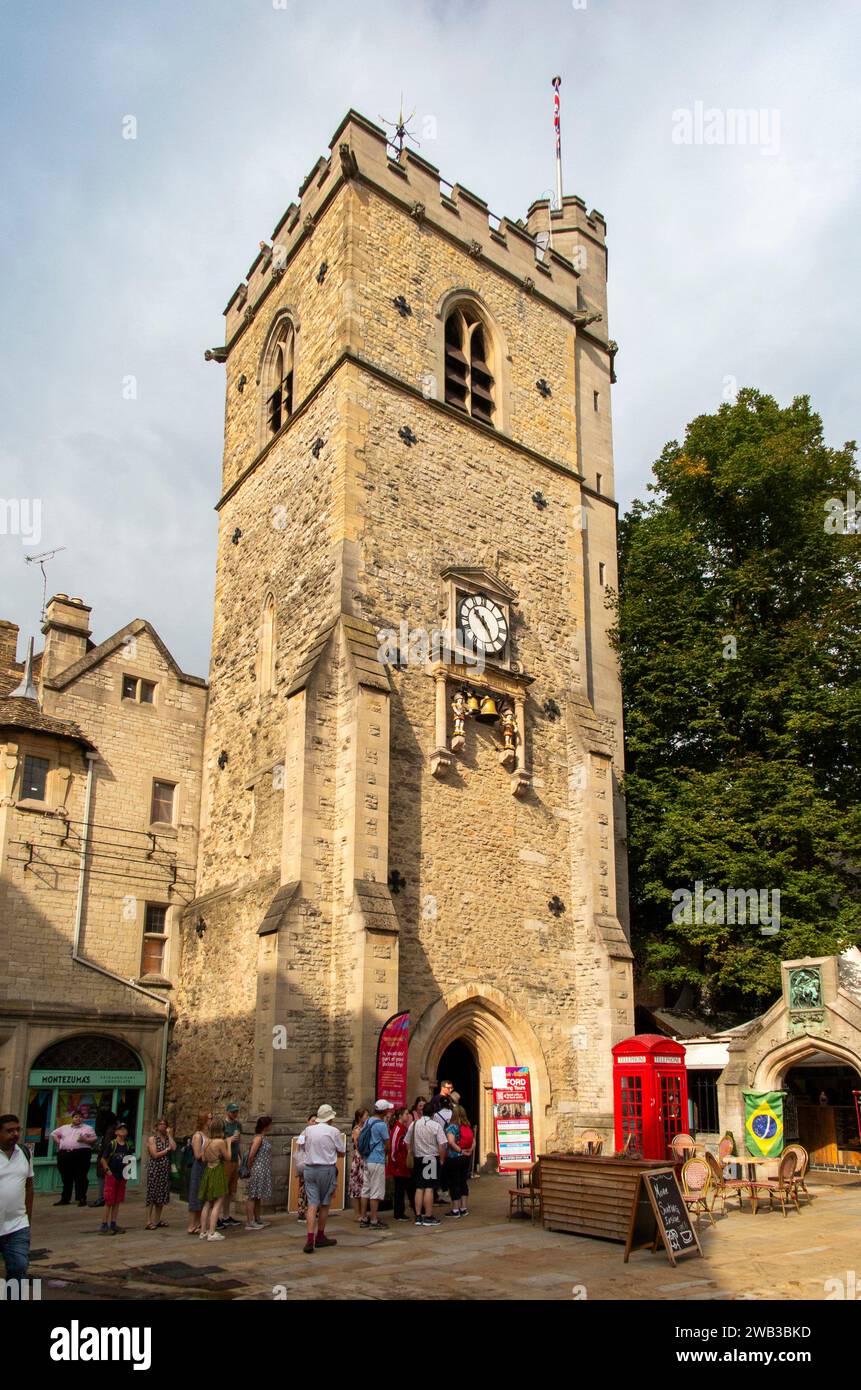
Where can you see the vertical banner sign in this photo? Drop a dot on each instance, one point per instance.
(763, 1123)
(512, 1118)
(392, 1052)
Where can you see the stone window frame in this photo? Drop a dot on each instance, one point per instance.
(140, 682)
(34, 748)
(285, 324)
(165, 936)
(496, 354)
(267, 647)
(163, 825)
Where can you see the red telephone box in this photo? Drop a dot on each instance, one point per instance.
(650, 1092)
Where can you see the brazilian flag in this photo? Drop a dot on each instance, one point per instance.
(763, 1122)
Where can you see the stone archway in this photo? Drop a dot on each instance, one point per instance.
(773, 1066)
(497, 1035)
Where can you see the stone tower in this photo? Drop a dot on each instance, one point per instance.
(417, 430)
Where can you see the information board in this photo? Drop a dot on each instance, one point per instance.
(512, 1118)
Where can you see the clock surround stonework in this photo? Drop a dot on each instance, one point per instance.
(347, 869)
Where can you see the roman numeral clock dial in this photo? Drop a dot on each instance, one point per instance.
(482, 623)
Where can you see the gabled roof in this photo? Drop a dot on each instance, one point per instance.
(18, 713)
(110, 645)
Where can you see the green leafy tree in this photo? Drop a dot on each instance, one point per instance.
(739, 632)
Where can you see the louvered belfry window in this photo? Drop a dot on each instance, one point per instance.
(468, 377)
(280, 402)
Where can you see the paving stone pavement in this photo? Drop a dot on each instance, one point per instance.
(483, 1256)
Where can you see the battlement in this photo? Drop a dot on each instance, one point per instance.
(572, 216)
(359, 150)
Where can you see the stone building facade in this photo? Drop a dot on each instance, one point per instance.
(417, 428)
(100, 773)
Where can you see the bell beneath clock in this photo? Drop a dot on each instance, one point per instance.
(488, 713)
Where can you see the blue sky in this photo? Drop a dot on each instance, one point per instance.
(726, 261)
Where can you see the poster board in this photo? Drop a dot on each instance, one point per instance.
(659, 1213)
(512, 1118)
(337, 1203)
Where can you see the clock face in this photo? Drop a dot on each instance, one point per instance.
(483, 623)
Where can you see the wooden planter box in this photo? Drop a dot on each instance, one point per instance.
(590, 1196)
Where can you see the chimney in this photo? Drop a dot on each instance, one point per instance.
(8, 648)
(67, 630)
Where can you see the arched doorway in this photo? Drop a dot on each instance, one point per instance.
(489, 1032)
(459, 1065)
(821, 1111)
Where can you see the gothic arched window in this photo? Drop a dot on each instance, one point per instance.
(267, 646)
(279, 380)
(469, 382)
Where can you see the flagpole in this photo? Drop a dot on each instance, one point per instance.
(557, 126)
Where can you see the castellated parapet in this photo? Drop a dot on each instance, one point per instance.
(360, 150)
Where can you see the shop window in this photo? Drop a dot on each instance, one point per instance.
(163, 799)
(154, 951)
(34, 782)
(703, 1099)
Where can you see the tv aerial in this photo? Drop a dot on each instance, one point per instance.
(41, 561)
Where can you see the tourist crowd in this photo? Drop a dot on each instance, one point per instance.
(424, 1153)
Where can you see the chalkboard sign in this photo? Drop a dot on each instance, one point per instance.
(659, 1213)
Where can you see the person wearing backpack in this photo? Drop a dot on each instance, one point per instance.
(461, 1143)
(115, 1170)
(373, 1142)
(16, 1200)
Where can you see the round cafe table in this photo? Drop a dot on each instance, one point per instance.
(752, 1164)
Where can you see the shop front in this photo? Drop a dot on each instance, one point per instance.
(61, 1082)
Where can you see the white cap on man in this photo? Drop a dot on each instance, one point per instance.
(383, 1105)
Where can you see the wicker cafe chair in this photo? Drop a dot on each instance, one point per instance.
(696, 1183)
(683, 1146)
(531, 1193)
(723, 1186)
(801, 1171)
(725, 1149)
(782, 1187)
(591, 1142)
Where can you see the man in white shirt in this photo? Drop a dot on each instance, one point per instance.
(74, 1150)
(427, 1139)
(323, 1145)
(16, 1198)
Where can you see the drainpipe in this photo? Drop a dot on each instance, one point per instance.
(79, 917)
